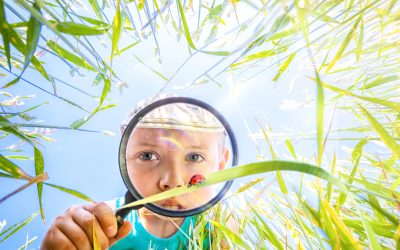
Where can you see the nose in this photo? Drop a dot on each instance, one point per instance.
(172, 178)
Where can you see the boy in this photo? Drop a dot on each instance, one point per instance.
(167, 147)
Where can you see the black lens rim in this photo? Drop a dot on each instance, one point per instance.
(132, 124)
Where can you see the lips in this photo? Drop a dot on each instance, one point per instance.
(172, 205)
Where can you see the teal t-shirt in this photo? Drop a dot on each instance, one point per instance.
(139, 238)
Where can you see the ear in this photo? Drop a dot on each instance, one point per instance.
(224, 159)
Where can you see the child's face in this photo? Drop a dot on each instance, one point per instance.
(161, 159)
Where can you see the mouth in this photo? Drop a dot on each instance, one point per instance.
(172, 205)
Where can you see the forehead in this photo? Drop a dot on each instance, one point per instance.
(159, 136)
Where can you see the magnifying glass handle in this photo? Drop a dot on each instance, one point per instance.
(122, 213)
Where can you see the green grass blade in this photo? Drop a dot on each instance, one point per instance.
(360, 41)
(4, 30)
(373, 242)
(185, 26)
(356, 157)
(117, 27)
(231, 235)
(344, 45)
(388, 104)
(380, 81)
(283, 67)
(32, 38)
(70, 191)
(383, 134)
(65, 54)
(106, 90)
(320, 117)
(39, 169)
(16, 227)
(78, 29)
(12, 169)
(242, 171)
(15, 131)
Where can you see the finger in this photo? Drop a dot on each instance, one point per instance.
(55, 239)
(86, 220)
(123, 231)
(105, 216)
(74, 233)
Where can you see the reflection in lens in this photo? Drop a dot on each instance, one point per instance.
(172, 144)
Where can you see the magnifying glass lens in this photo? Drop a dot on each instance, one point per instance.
(175, 145)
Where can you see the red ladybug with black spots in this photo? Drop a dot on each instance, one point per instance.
(197, 178)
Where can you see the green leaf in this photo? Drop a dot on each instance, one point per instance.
(284, 66)
(71, 192)
(356, 157)
(185, 26)
(117, 27)
(260, 55)
(12, 169)
(96, 8)
(4, 30)
(106, 89)
(65, 54)
(39, 169)
(290, 147)
(78, 29)
(389, 104)
(16, 227)
(383, 134)
(344, 45)
(360, 41)
(320, 116)
(14, 130)
(32, 38)
(242, 171)
(380, 80)
(373, 242)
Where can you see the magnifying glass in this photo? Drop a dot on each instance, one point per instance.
(175, 142)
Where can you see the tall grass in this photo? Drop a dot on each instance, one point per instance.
(348, 49)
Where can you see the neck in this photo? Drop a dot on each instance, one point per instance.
(158, 225)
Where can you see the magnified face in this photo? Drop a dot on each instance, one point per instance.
(173, 146)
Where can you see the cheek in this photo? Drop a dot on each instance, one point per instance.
(143, 181)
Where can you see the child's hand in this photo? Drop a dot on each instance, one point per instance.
(74, 228)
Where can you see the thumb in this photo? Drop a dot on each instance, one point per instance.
(123, 231)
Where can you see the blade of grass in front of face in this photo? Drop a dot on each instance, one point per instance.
(70, 191)
(27, 243)
(389, 141)
(39, 169)
(4, 26)
(356, 157)
(241, 171)
(32, 38)
(71, 57)
(16, 227)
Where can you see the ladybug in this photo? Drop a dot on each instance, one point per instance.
(197, 178)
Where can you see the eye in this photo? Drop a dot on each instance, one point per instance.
(195, 157)
(148, 156)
